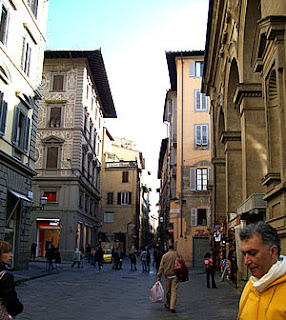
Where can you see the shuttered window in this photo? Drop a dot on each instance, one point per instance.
(125, 176)
(4, 22)
(55, 117)
(124, 198)
(3, 113)
(108, 216)
(201, 101)
(194, 217)
(109, 197)
(21, 129)
(33, 4)
(26, 56)
(196, 69)
(58, 82)
(52, 157)
(201, 136)
(199, 178)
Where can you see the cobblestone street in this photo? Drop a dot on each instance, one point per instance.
(120, 294)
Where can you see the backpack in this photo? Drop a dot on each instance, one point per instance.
(209, 264)
(181, 270)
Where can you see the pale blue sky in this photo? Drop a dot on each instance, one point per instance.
(133, 36)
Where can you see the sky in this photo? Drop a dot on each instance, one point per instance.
(133, 36)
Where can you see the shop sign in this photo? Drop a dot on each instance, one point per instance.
(171, 231)
(201, 233)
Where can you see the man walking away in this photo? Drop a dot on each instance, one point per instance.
(263, 296)
(172, 283)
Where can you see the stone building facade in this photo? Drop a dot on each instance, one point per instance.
(22, 41)
(244, 75)
(76, 98)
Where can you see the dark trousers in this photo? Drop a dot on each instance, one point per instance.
(210, 273)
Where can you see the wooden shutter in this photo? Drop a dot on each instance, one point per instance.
(125, 176)
(52, 157)
(198, 135)
(204, 102)
(58, 83)
(3, 113)
(192, 68)
(129, 199)
(193, 182)
(197, 100)
(118, 197)
(194, 217)
(205, 135)
(26, 133)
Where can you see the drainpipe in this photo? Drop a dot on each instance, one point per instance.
(182, 145)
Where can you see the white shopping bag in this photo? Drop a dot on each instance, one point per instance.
(157, 292)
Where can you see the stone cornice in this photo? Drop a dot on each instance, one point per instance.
(273, 26)
(230, 136)
(218, 161)
(247, 90)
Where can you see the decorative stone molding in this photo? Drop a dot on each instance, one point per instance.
(230, 136)
(218, 161)
(243, 90)
(270, 177)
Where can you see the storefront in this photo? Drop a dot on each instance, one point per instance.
(48, 232)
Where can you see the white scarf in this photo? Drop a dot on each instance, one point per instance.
(277, 270)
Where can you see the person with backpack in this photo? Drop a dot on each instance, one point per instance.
(171, 280)
(209, 266)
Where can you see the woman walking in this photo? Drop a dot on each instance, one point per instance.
(209, 265)
(8, 295)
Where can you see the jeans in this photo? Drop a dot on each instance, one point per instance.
(98, 266)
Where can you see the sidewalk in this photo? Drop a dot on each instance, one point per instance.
(38, 268)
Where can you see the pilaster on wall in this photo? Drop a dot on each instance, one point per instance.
(233, 158)
(248, 99)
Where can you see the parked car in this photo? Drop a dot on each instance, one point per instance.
(107, 255)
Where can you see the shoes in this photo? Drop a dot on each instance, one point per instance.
(166, 306)
(173, 310)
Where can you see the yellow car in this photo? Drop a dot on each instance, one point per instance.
(107, 255)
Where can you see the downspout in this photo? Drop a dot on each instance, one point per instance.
(182, 144)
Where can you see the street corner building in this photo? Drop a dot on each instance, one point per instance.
(22, 42)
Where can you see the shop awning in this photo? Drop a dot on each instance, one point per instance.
(20, 196)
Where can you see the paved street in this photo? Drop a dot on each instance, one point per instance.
(84, 294)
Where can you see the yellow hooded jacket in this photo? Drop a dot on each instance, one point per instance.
(270, 304)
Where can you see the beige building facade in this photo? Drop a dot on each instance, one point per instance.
(244, 75)
(22, 41)
(121, 201)
(186, 112)
(76, 98)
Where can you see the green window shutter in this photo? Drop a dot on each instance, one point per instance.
(193, 186)
(26, 133)
(194, 217)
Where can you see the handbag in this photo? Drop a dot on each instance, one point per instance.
(180, 269)
(4, 314)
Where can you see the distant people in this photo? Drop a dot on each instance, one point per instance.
(82, 256)
(171, 281)
(121, 256)
(88, 252)
(117, 257)
(148, 258)
(233, 265)
(76, 258)
(8, 293)
(132, 257)
(265, 291)
(210, 269)
(33, 250)
(58, 259)
(50, 255)
(143, 259)
(98, 257)
(92, 253)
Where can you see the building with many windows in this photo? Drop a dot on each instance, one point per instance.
(76, 98)
(121, 186)
(22, 41)
(185, 159)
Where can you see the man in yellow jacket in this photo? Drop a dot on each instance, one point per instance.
(171, 281)
(264, 295)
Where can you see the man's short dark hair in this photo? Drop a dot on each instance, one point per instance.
(268, 234)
